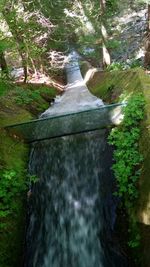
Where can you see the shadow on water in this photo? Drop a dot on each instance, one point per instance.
(72, 209)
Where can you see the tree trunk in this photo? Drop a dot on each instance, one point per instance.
(33, 66)
(13, 27)
(148, 18)
(103, 6)
(24, 65)
(105, 51)
(3, 63)
(147, 42)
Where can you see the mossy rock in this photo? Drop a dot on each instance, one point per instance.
(110, 86)
(14, 156)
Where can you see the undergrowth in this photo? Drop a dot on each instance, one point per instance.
(14, 181)
(28, 95)
(127, 165)
(4, 86)
(11, 188)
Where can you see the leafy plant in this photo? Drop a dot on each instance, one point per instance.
(134, 63)
(125, 138)
(4, 84)
(11, 187)
(115, 66)
(32, 178)
(134, 243)
(128, 159)
(26, 96)
(112, 44)
(134, 234)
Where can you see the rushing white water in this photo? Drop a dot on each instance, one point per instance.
(72, 207)
(77, 96)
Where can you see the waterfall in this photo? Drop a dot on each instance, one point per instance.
(72, 208)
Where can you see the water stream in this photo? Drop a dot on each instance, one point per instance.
(77, 96)
(72, 209)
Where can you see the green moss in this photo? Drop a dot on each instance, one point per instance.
(144, 186)
(125, 138)
(13, 164)
(4, 86)
(13, 158)
(142, 209)
(25, 100)
(110, 86)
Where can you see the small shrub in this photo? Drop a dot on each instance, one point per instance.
(128, 160)
(4, 85)
(11, 187)
(26, 96)
(116, 66)
(32, 178)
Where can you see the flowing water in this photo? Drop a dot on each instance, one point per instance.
(77, 96)
(72, 208)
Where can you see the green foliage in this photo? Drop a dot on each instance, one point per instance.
(134, 239)
(134, 243)
(115, 66)
(125, 138)
(133, 63)
(14, 181)
(112, 6)
(11, 188)
(112, 44)
(4, 85)
(32, 178)
(128, 160)
(4, 44)
(26, 96)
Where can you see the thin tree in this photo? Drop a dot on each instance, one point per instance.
(104, 35)
(3, 63)
(147, 42)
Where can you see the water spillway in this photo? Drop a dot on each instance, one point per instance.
(76, 111)
(77, 96)
(71, 207)
(72, 210)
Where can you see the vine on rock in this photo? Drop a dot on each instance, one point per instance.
(128, 160)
